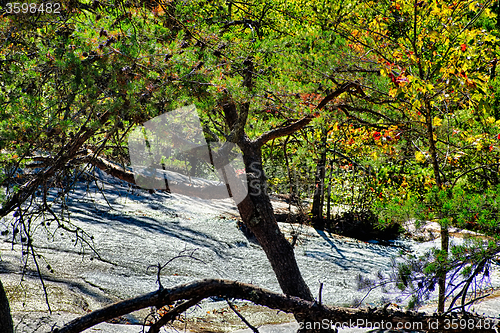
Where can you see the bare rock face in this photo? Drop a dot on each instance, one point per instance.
(134, 230)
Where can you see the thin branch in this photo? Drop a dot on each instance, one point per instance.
(243, 319)
(173, 313)
(180, 255)
(463, 292)
(471, 170)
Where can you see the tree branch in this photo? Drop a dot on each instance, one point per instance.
(65, 154)
(283, 131)
(243, 319)
(232, 289)
(172, 314)
(352, 87)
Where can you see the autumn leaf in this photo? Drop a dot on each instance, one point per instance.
(437, 122)
(419, 157)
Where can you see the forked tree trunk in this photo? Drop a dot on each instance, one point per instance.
(5, 317)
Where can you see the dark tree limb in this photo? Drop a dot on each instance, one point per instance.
(283, 131)
(352, 87)
(346, 87)
(232, 289)
(67, 153)
(172, 314)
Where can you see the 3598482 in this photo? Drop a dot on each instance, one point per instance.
(33, 8)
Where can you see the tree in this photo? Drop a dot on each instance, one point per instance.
(71, 95)
(437, 61)
(5, 317)
(81, 90)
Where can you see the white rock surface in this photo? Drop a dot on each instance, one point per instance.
(139, 229)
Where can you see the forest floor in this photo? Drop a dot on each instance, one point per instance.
(133, 229)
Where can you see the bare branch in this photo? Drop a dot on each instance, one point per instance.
(352, 87)
(283, 131)
(243, 319)
(232, 289)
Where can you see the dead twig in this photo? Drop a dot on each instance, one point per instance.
(243, 319)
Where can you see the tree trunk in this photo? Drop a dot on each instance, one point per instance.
(5, 317)
(319, 192)
(257, 213)
(445, 235)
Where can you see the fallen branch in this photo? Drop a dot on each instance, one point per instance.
(316, 312)
(115, 170)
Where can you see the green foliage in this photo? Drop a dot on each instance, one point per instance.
(416, 138)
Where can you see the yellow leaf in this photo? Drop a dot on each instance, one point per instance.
(490, 120)
(419, 157)
(437, 122)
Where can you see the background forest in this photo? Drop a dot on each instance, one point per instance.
(369, 113)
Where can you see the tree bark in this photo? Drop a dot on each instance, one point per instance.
(257, 213)
(5, 316)
(256, 210)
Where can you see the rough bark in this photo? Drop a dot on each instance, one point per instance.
(5, 317)
(257, 213)
(316, 313)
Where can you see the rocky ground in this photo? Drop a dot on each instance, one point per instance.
(133, 229)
